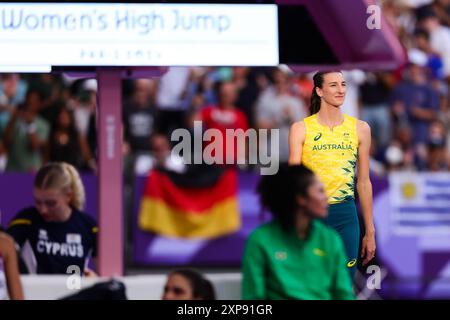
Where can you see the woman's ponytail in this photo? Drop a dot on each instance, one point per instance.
(315, 102)
(78, 194)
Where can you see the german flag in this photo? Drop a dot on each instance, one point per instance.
(201, 203)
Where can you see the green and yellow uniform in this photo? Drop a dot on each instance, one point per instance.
(332, 155)
(277, 264)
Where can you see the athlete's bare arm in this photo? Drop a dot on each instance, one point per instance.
(297, 134)
(364, 188)
(8, 251)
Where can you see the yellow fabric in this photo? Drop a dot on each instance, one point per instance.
(19, 221)
(156, 216)
(332, 155)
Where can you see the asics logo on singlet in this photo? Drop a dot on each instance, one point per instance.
(351, 263)
(318, 136)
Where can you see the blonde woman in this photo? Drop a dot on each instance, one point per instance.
(56, 234)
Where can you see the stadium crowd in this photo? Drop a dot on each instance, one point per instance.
(52, 117)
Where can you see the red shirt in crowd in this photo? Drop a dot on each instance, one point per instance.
(220, 118)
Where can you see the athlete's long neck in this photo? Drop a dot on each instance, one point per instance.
(330, 115)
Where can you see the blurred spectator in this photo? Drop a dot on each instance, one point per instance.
(376, 167)
(415, 103)
(85, 105)
(399, 154)
(434, 63)
(278, 108)
(394, 156)
(65, 144)
(12, 93)
(199, 90)
(442, 10)
(188, 284)
(400, 16)
(159, 157)
(245, 79)
(10, 286)
(224, 116)
(91, 138)
(170, 93)
(305, 86)
(138, 117)
(295, 256)
(161, 154)
(55, 234)
(52, 90)
(444, 116)
(375, 105)
(26, 135)
(353, 79)
(439, 35)
(437, 157)
(436, 68)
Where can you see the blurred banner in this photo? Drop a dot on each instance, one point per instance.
(150, 249)
(420, 203)
(413, 243)
(200, 203)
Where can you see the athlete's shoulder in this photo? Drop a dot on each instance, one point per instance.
(362, 124)
(363, 128)
(85, 218)
(25, 216)
(6, 241)
(311, 122)
(87, 221)
(298, 127)
(265, 231)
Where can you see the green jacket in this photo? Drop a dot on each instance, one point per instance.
(277, 264)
